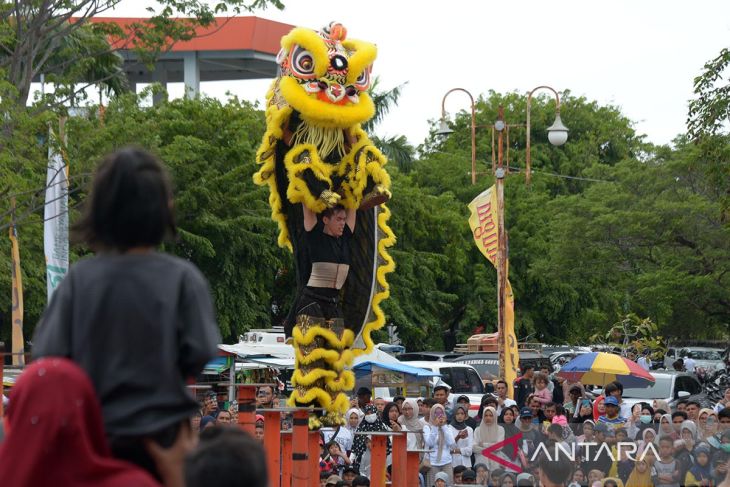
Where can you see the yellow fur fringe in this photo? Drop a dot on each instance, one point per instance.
(298, 191)
(363, 56)
(383, 269)
(318, 112)
(312, 42)
(345, 380)
(340, 404)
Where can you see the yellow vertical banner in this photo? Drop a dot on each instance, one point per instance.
(483, 222)
(17, 289)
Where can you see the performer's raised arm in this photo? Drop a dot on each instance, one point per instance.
(310, 218)
(351, 219)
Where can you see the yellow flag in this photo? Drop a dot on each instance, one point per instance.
(484, 227)
(17, 303)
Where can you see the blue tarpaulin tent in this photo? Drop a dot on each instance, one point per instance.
(398, 378)
(366, 368)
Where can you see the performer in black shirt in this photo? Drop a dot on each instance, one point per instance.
(327, 241)
(322, 339)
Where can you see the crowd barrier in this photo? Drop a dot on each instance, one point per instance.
(292, 457)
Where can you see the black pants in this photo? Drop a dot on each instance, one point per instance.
(317, 303)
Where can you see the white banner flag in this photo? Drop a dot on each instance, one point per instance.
(55, 228)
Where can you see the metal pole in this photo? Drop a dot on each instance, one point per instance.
(473, 129)
(501, 248)
(528, 158)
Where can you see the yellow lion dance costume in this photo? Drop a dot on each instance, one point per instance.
(315, 154)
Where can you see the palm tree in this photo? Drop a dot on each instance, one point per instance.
(396, 148)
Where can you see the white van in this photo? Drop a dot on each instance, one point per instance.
(463, 379)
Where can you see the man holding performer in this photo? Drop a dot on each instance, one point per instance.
(324, 174)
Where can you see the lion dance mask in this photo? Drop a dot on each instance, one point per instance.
(315, 157)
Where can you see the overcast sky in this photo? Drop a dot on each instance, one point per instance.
(638, 55)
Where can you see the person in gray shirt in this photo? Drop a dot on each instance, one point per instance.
(139, 322)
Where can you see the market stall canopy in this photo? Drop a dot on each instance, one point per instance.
(283, 354)
(376, 355)
(365, 368)
(247, 350)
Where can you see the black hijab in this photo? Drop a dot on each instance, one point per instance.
(456, 424)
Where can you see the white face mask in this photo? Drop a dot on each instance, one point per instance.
(370, 418)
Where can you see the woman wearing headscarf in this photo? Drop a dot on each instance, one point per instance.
(661, 404)
(647, 436)
(599, 409)
(55, 434)
(684, 446)
(700, 473)
(354, 417)
(464, 436)
(344, 435)
(508, 420)
(487, 434)
(441, 441)
(370, 423)
(641, 474)
(666, 428)
(411, 423)
(707, 422)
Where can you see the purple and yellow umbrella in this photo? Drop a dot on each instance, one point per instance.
(600, 368)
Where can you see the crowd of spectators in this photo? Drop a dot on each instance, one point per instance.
(105, 401)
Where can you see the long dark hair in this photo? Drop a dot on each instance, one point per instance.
(130, 204)
(386, 412)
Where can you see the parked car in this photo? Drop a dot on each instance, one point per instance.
(670, 386)
(487, 364)
(426, 356)
(463, 380)
(704, 357)
(557, 359)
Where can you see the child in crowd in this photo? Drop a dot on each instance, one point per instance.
(594, 476)
(138, 321)
(542, 393)
(701, 472)
(665, 472)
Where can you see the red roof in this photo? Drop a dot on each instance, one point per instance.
(225, 34)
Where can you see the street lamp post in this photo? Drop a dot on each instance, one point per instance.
(557, 132)
(445, 130)
(557, 135)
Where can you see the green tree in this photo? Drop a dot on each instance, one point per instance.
(223, 218)
(709, 112)
(58, 38)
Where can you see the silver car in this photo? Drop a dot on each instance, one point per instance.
(705, 357)
(670, 386)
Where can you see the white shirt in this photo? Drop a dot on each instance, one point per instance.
(412, 438)
(644, 363)
(464, 445)
(431, 435)
(689, 364)
(507, 403)
(344, 437)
